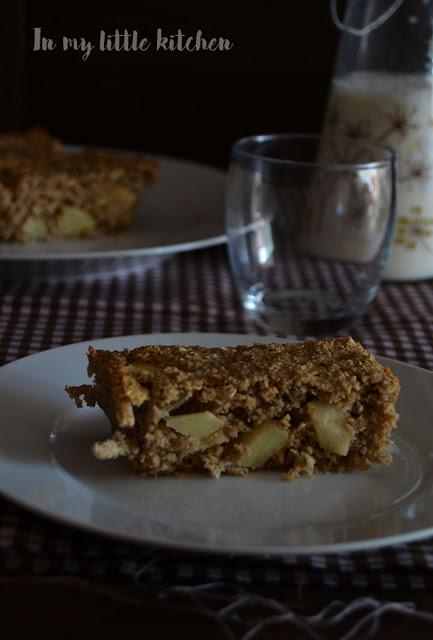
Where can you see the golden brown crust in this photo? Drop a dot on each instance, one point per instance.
(139, 389)
(35, 138)
(38, 180)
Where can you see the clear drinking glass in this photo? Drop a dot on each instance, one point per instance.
(309, 222)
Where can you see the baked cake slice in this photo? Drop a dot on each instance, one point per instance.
(47, 193)
(319, 406)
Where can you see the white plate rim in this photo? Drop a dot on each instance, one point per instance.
(203, 548)
(145, 252)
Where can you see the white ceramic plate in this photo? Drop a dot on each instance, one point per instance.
(184, 210)
(46, 465)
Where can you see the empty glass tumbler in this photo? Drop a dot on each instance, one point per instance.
(309, 222)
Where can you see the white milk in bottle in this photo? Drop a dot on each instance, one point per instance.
(396, 109)
(383, 90)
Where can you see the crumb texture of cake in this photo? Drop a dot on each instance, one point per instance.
(305, 408)
(48, 193)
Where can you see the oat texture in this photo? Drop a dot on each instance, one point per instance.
(246, 388)
(46, 193)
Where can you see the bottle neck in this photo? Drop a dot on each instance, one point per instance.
(403, 43)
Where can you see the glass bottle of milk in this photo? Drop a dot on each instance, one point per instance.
(383, 89)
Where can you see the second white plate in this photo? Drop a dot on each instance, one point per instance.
(46, 465)
(184, 210)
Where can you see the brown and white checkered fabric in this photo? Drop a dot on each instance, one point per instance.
(191, 292)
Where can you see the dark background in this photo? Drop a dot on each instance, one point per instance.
(191, 105)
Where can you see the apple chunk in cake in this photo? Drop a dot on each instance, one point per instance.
(319, 406)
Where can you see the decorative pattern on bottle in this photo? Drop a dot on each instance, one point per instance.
(396, 111)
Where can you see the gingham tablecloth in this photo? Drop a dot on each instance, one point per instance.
(191, 292)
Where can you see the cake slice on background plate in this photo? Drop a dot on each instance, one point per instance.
(48, 193)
